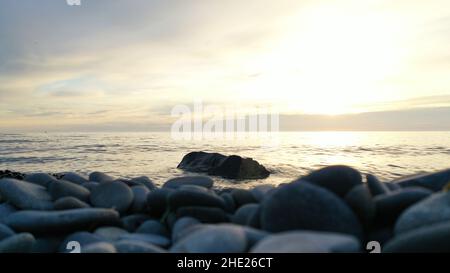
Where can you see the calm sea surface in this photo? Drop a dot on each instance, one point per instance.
(287, 154)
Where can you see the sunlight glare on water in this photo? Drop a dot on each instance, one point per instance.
(385, 154)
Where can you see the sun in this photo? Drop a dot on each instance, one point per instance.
(329, 61)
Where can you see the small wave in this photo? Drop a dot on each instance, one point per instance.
(396, 175)
(88, 146)
(33, 159)
(95, 150)
(80, 136)
(14, 141)
(395, 166)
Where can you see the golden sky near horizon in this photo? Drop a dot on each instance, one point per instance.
(132, 61)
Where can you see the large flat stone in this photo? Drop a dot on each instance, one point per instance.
(25, 195)
(60, 221)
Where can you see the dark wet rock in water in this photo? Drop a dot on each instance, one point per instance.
(74, 178)
(157, 202)
(337, 179)
(5, 231)
(25, 195)
(61, 188)
(60, 221)
(361, 202)
(100, 247)
(82, 237)
(133, 221)
(153, 227)
(204, 214)
(100, 177)
(433, 181)
(213, 239)
(202, 181)
(192, 196)
(66, 203)
(307, 242)
(231, 167)
(243, 197)
(390, 206)
(41, 179)
(201, 161)
(432, 210)
(115, 195)
(133, 246)
(157, 240)
(20, 243)
(236, 167)
(140, 193)
(434, 238)
(301, 205)
(376, 187)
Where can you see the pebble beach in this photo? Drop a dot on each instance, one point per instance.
(334, 209)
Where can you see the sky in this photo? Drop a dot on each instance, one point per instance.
(322, 65)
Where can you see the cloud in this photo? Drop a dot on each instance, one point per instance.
(44, 114)
(436, 101)
(95, 64)
(425, 119)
